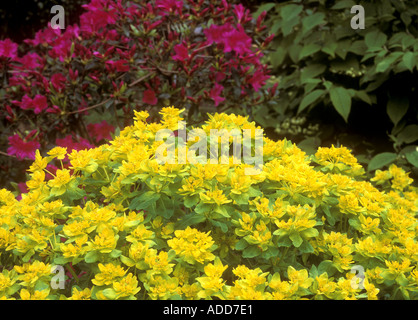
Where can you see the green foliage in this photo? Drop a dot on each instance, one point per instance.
(324, 68)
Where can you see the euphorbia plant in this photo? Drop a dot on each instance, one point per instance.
(128, 227)
(128, 55)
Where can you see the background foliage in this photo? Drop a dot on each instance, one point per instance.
(339, 85)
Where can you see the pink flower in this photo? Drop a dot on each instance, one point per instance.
(215, 94)
(239, 12)
(21, 148)
(8, 49)
(101, 131)
(38, 104)
(149, 97)
(71, 145)
(182, 53)
(238, 41)
(257, 79)
(30, 61)
(170, 6)
(216, 34)
(119, 66)
(58, 81)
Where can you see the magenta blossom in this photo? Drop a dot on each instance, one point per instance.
(258, 79)
(58, 81)
(101, 131)
(238, 41)
(8, 49)
(182, 53)
(170, 6)
(216, 34)
(21, 148)
(37, 104)
(149, 97)
(215, 94)
(71, 145)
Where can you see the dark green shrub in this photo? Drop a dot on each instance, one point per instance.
(359, 81)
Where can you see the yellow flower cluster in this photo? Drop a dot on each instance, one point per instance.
(126, 226)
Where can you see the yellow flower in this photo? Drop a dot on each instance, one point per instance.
(37, 295)
(108, 273)
(141, 233)
(216, 197)
(31, 273)
(62, 178)
(350, 204)
(80, 294)
(299, 278)
(340, 159)
(71, 251)
(372, 291)
(58, 152)
(192, 245)
(190, 291)
(369, 225)
(39, 164)
(159, 263)
(162, 288)
(216, 269)
(324, 286)
(395, 267)
(37, 179)
(76, 228)
(128, 286)
(105, 241)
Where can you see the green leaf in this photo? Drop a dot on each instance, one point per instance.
(128, 261)
(310, 233)
(251, 252)
(264, 7)
(312, 21)
(326, 266)
(296, 239)
(341, 100)
(115, 253)
(190, 201)
(91, 257)
(220, 225)
(310, 98)
(380, 160)
(311, 71)
(241, 244)
(408, 135)
(290, 11)
(190, 219)
(409, 60)
(144, 201)
(109, 293)
(383, 65)
(363, 95)
(277, 57)
(375, 39)
(412, 158)
(343, 4)
(309, 50)
(397, 108)
(306, 247)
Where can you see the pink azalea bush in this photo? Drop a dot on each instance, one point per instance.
(126, 55)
